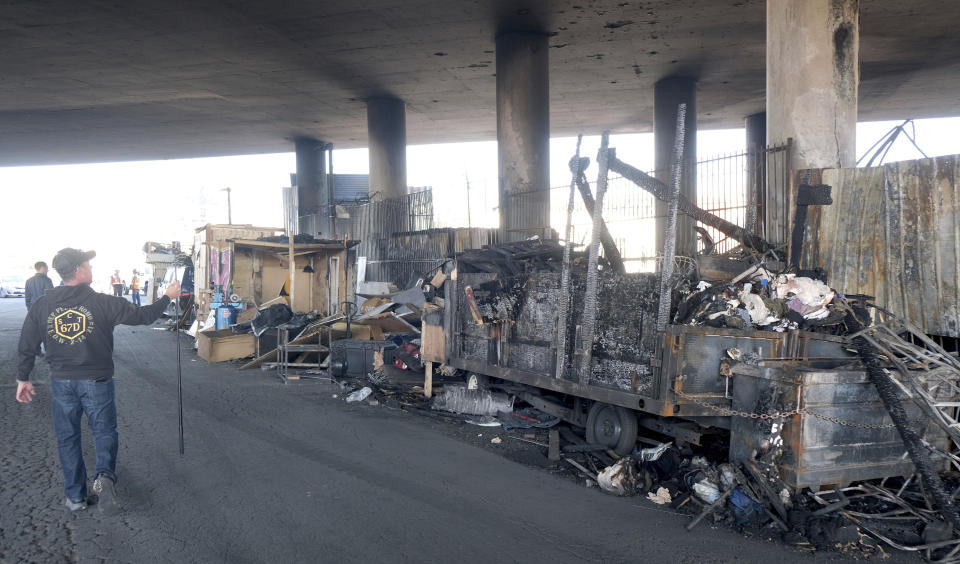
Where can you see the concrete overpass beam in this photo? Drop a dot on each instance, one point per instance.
(813, 74)
(523, 135)
(312, 190)
(387, 135)
(668, 94)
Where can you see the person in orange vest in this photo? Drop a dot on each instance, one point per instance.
(135, 288)
(116, 283)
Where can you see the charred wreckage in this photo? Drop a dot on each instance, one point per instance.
(837, 420)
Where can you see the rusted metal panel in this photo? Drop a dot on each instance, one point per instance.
(893, 232)
(817, 451)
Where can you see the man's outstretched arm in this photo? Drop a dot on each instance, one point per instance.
(129, 314)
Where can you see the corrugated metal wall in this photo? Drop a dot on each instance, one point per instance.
(893, 232)
(350, 187)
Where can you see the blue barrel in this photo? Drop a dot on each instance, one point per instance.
(226, 316)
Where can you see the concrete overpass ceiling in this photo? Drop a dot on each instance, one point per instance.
(111, 80)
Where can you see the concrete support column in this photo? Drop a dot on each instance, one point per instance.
(668, 94)
(387, 135)
(523, 135)
(312, 192)
(756, 129)
(813, 73)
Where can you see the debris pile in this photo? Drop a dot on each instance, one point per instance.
(758, 298)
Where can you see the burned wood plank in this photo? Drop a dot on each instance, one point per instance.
(610, 249)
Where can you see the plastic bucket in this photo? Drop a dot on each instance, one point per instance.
(226, 316)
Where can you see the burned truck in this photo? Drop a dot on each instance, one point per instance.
(765, 358)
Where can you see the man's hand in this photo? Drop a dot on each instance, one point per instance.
(25, 392)
(173, 290)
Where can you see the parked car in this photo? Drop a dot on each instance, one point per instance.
(12, 288)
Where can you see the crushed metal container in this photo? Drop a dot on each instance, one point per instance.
(816, 449)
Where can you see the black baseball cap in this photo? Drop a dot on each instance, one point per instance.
(67, 260)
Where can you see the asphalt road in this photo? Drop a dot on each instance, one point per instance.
(286, 473)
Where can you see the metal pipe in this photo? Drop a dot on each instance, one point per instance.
(176, 327)
(590, 304)
(563, 307)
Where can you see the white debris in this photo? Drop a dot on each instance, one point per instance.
(785, 497)
(805, 295)
(653, 453)
(359, 395)
(612, 478)
(661, 497)
(759, 313)
(706, 490)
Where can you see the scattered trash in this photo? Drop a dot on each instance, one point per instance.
(359, 395)
(661, 497)
(531, 441)
(458, 399)
(620, 478)
(496, 440)
(654, 453)
(526, 418)
(485, 421)
(706, 491)
(745, 509)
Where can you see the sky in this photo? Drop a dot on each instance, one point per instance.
(114, 208)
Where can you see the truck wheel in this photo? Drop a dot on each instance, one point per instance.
(612, 426)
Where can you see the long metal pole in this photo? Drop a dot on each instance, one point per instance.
(670, 239)
(176, 327)
(564, 305)
(590, 304)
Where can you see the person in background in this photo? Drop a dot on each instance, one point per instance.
(116, 283)
(37, 285)
(135, 288)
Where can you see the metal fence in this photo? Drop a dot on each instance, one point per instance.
(374, 223)
(734, 187)
(371, 221)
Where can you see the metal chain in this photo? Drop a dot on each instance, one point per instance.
(727, 412)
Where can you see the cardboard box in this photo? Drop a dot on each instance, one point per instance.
(217, 346)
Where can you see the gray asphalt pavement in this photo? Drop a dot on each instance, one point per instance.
(287, 473)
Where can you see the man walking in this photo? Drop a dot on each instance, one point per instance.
(37, 285)
(115, 282)
(75, 323)
(135, 288)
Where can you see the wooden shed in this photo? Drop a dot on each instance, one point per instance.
(325, 273)
(212, 266)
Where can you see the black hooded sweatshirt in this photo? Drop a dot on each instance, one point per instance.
(76, 325)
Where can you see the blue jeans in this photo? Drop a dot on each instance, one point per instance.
(71, 399)
(135, 296)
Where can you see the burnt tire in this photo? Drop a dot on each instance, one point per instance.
(612, 426)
